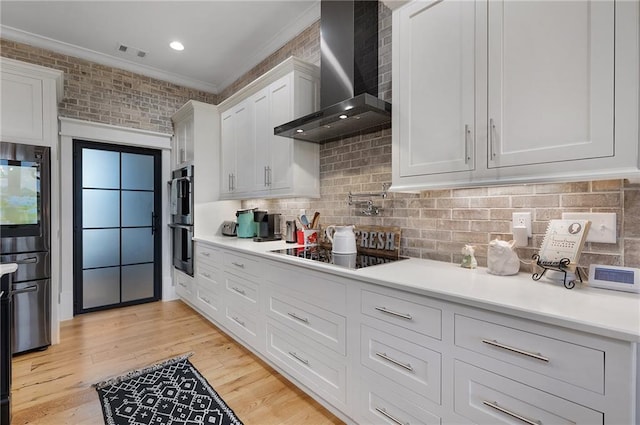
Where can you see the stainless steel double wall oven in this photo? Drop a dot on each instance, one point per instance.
(182, 218)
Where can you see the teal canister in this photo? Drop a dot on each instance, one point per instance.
(246, 226)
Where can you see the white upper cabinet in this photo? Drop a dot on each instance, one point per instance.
(183, 143)
(196, 127)
(514, 91)
(550, 81)
(29, 96)
(438, 58)
(266, 165)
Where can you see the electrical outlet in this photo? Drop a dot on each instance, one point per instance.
(522, 219)
(603, 225)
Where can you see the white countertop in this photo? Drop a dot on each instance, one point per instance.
(603, 312)
(7, 268)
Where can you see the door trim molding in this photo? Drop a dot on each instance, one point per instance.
(71, 128)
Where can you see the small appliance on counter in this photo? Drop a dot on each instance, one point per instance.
(290, 235)
(268, 228)
(229, 228)
(246, 227)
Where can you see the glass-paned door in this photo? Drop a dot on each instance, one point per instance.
(117, 241)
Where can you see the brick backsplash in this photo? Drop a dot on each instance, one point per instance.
(435, 224)
(99, 93)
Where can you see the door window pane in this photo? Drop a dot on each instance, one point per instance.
(136, 208)
(137, 282)
(137, 171)
(137, 246)
(100, 169)
(100, 248)
(100, 208)
(100, 287)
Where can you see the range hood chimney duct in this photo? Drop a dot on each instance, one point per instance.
(348, 76)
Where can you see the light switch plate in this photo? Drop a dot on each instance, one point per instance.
(603, 225)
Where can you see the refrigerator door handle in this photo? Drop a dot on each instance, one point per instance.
(32, 288)
(29, 260)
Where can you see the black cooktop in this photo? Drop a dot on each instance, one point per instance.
(324, 255)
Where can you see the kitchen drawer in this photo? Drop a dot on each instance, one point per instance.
(575, 364)
(242, 290)
(324, 374)
(242, 323)
(184, 285)
(380, 402)
(241, 264)
(413, 366)
(207, 255)
(322, 290)
(322, 326)
(207, 299)
(403, 310)
(487, 398)
(208, 276)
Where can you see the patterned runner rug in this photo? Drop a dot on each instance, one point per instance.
(168, 393)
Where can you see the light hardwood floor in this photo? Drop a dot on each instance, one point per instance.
(54, 386)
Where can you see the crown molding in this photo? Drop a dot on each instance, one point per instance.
(25, 37)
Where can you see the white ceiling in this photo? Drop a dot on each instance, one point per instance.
(222, 39)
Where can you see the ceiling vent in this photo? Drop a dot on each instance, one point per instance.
(129, 50)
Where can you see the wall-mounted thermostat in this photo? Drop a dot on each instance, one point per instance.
(614, 277)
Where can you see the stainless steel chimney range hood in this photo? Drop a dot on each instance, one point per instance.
(348, 76)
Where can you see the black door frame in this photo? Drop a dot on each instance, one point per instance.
(78, 145)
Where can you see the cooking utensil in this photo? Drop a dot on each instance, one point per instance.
(304, 221)
(315, 220)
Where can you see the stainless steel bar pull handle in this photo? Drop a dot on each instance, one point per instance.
(207, 275)
(230, 187)
(238, 321)
(394, 313)
(239, 291)
(206, 254)
(384, 413)
(467, 133)
(207, 300)
(295, 316)
(495, 343)
(494, 405)
(492, 130)
(266, 176)
(238, 265)
(394, 361)
(298, 358)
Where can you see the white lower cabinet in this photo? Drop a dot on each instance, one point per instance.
(378, 355)
(488, 398)
(208, 281)
(184, 285)
(386, 403)
(323, 372)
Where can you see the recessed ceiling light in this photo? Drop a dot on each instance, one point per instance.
(342, 117)
(299, 130)
(176, 45)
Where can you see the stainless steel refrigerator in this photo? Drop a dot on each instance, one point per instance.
(25, 240)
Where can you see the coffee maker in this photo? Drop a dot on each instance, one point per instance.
(268, 228)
